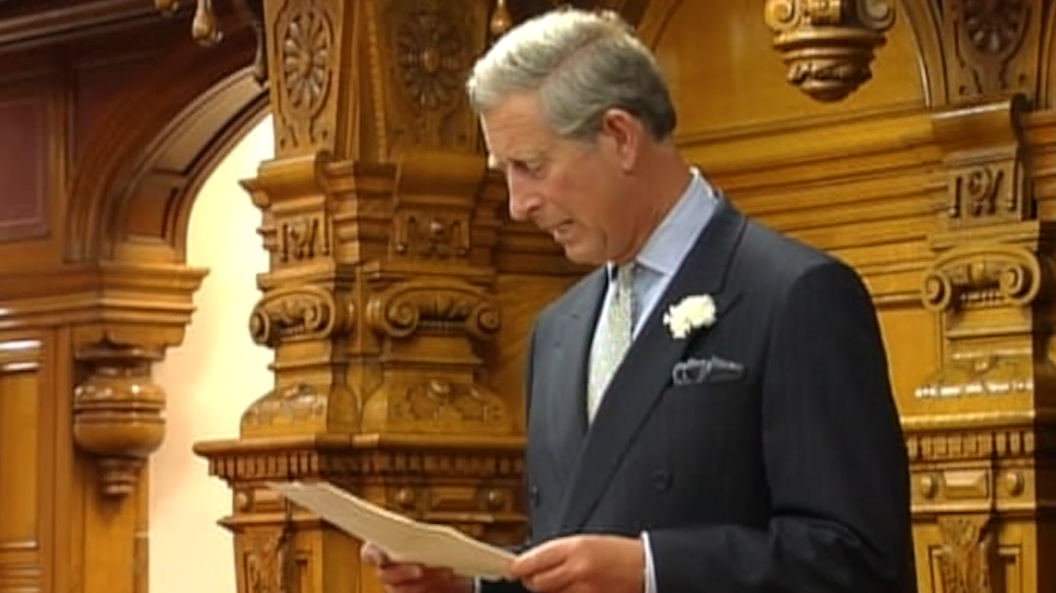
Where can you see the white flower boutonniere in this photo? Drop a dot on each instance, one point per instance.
(690, 313)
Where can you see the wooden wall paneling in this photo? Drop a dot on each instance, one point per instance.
(396, 277)
(121, 105)
(28, 431)
(32, 116)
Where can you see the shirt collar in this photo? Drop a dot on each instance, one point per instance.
(674, 237)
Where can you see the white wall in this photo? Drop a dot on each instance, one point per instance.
(210, 380)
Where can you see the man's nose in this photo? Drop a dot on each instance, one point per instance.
(523, 201)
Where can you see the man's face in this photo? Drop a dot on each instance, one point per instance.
(569, 189)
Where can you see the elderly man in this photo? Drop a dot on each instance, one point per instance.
(708, 411)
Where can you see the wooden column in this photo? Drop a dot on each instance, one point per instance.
(381, 300)
(980, 430)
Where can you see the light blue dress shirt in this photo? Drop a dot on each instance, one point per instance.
(657, 262)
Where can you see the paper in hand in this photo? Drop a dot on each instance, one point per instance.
(403, 539)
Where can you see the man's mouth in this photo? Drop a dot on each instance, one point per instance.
(558, 230)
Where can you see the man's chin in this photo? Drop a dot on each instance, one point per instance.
(579, 256)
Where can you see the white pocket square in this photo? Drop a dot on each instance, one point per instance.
(694, 371)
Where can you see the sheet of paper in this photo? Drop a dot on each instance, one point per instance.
(404, 539)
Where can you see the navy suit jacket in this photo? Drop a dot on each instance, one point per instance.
(788, 476)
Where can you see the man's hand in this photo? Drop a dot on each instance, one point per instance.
(583, 564)
(412, 578)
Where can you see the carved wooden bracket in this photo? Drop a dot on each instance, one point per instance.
(117, 411)
(828, 44)
(117, 407)
(985, 158)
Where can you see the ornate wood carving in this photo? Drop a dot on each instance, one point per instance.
(988, 180)
(433, 50)
(984, 288)
(828, 45)
(117, 412)
(419, 57)
(984, 428)
(979, 275)
(471, 481)
(299, 313)
(305, 45)
(968, 550)
(264, 553)
(987, 41)
(433, 306)
(117, 408)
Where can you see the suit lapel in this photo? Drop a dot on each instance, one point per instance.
(646, 370)
(567, 414)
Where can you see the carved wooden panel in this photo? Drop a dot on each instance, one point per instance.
(22, 437)
(24, 156)
(995, 47)
(305, 56)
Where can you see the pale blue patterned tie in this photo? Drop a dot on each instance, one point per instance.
(612, 338)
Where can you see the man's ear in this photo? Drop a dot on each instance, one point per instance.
(626, 134)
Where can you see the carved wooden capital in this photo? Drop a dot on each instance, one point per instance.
(981, 275)
(437, 306)
(299, 313)
(828, 44)
(984, 293)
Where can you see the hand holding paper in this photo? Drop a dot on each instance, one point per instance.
(402, 539)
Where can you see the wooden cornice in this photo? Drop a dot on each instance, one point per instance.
(29, 22)
(155, 293)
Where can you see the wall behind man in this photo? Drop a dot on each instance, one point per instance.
(210, 380)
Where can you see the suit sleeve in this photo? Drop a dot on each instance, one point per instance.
(834, 461)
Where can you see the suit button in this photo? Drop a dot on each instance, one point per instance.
(533, 495)
(661, 481)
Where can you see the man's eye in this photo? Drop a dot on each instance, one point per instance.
(532, 169)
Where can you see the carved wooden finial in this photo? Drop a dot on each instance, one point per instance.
(828, 44)
(204, 29)
(500, 19)
(167, 6)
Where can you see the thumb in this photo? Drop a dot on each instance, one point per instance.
(373, 555)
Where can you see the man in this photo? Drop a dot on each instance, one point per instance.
(709, 410)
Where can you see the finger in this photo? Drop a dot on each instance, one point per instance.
(539, 559)
(554, 580)
(398, 575)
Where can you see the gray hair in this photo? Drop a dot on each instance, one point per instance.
(581, 64)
